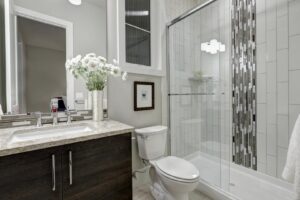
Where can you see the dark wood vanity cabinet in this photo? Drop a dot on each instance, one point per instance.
(31, 176)
(98, 169)
(93, 170)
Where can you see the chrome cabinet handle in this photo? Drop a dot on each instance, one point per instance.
(53, 173)
(70, 168)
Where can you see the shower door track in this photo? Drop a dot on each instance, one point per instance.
(191, 94)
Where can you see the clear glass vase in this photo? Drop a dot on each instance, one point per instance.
(97, 105)
(90, 100)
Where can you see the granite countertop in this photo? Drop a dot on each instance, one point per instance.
(98, 130)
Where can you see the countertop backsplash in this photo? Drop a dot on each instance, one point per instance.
(8, 121)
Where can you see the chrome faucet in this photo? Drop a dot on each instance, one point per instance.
(38, 116)
(69, 117)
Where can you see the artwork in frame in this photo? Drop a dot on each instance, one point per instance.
(143, 96)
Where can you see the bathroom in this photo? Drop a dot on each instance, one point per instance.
(194, 99)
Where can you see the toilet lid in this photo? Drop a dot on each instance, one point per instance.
(178, 168)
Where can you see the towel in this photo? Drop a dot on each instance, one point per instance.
(291, 171)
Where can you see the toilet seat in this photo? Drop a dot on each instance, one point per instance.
(177, 169)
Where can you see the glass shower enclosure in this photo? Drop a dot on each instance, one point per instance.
(199, 90)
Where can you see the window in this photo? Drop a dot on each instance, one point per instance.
(138, 32)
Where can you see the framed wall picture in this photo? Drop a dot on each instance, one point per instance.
(143, 96)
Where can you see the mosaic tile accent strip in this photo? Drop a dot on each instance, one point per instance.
(244, 82)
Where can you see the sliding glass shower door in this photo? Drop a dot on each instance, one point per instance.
(198, 92)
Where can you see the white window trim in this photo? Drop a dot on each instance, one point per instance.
(155, 69)
(7, 10)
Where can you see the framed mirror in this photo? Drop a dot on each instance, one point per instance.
(39, 36)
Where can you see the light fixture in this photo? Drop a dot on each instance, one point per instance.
(213, 47)
(75, 2)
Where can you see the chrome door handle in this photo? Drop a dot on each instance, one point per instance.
(53, 173)
(70, 168)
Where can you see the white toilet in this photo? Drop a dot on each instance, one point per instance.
(172, 178)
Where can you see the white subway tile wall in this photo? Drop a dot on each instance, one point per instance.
(278, 63)
(201, 122)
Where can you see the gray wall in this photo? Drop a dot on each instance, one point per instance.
(120, 107)
(120, 102)
(45, 77)
(120, 93)
(89, 23)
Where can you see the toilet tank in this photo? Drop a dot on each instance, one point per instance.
(152, 142)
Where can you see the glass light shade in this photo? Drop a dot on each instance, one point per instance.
(75, 2)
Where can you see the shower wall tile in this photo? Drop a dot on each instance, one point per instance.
(294, 111)
(271, 77)
(260, 7)
(262, 118)
(261, 58)
(271, 165)
(272, 140)
(261, 24)
(262, 167)
(294, 51)
(262, 148)
(283, 65)
(271, 14)
(282, 7)
(175, 8)
(282, 32)
(294, 16)
(262, 89)
(294, 86)
(188, 136)
(282, 69)
(282, 130)
(281, 159)
(282, 100)
(271, 108)
(271, 45)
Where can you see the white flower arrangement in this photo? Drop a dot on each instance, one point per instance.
(94, 70)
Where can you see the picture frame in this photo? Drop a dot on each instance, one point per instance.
(144, 96)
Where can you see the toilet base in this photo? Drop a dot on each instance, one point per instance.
(159, 193)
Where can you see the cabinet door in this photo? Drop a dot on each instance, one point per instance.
(98, 169)
(31, 176)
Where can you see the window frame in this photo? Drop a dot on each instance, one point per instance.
(155, 68)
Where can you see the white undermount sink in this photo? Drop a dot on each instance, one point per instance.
(48, 132)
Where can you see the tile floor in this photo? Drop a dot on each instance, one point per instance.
(143, 193)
